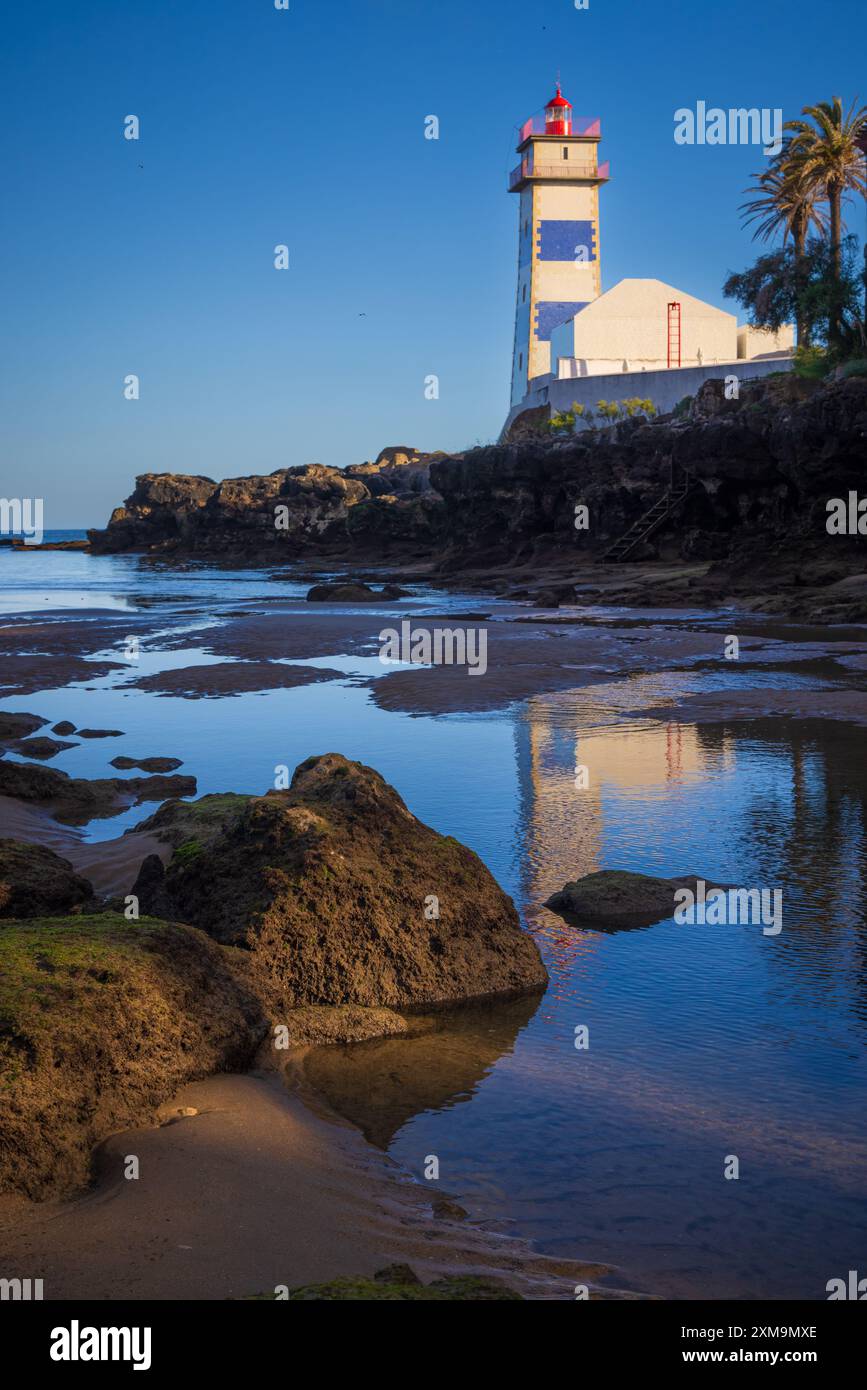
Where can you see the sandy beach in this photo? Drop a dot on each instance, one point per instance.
(254, 1191)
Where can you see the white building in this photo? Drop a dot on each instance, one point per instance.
(646, 325)
(565, 327)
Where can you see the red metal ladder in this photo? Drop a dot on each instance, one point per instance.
(673, 356)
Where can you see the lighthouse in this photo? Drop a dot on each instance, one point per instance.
(558, 182)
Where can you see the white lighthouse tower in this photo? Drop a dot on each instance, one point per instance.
(558, 181)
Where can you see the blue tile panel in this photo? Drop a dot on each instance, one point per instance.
(552, 312)
(557, 241)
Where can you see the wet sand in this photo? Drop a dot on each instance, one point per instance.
(529, 651)
(730, 705)
(231, 678)
(111, 865)
(253, 1192)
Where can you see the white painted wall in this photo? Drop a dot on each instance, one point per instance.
(629, 323)
(663, 388)
(760, 342)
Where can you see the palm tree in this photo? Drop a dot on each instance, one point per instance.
(828, 160)
(784, 203)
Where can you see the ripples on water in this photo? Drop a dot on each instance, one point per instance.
(704, 1041)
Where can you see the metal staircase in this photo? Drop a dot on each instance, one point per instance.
(649, 522)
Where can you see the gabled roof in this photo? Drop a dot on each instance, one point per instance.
(636, 296)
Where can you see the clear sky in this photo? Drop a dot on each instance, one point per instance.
(306, 127)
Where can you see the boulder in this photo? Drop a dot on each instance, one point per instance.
(349, 592)
(76, 800)
(63, 728)
(35, 881)
(147, 764)
(614, 898)
(342, 593)
(334, 887)
(42, 748)
(15, 726)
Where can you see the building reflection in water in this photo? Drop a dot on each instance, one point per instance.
(576, 760)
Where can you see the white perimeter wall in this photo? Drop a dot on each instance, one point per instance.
(663, 388)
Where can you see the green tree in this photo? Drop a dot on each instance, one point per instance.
(784, 204)
(779, 287)
(825, 158)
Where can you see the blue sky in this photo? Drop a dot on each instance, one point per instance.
(306, 127)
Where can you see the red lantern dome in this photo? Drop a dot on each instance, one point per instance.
(558, 115)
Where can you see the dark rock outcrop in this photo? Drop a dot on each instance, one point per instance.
(42, 748)
(36, 882)
(396, 470)
(354, 593)
(615, 898)
(332, 884)
(286, 513)
(15, 726)
(270, 516)
(76, 800)
(146, 764)
(764, 467)
(162, 510)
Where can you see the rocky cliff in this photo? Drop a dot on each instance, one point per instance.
(762, 469)
(286, 513)
(764, 466)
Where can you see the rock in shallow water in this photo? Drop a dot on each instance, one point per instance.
(147, 764)
(616, 898)
(354, 593)
(41, 748)
(13, 726)
(76, 800)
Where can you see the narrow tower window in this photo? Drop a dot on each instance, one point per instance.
(565, 151)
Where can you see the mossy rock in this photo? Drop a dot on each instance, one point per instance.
(35, 881)
(325, 884)
(612, 899)
(198, 822)
(101, 1021)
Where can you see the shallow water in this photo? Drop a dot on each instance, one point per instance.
(705, 1042)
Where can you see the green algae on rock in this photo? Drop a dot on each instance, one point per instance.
(613, 898)
(343, 897)
(35, 881)
(101, 1021)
